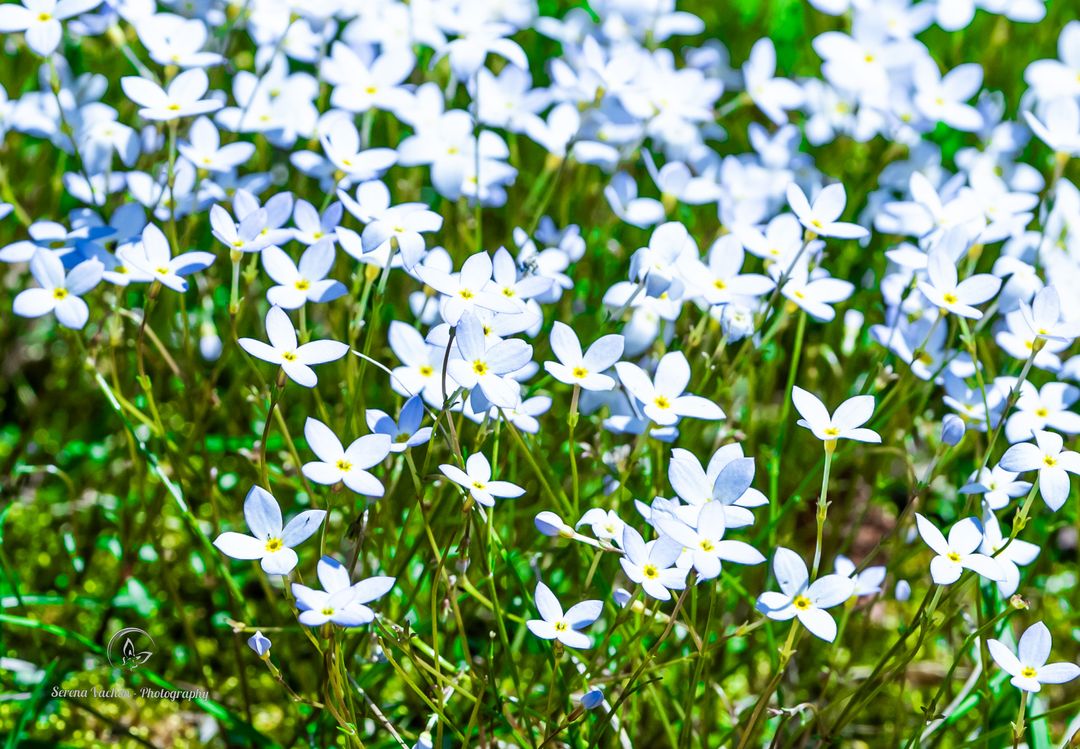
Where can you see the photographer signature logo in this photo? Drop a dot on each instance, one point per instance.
(129, 648)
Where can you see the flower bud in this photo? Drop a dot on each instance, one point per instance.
(952, 430)
(551, 524)
(592, 698)
(903, 591)
(260, 643)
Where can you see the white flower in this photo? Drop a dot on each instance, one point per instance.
(206, 152)
(340, 602)
(40, 21)
(942, 289)
(466, 290)
(404, 433)
(652, 565)
(706, 543)
(821, 219)
(153, 257)
(867, 582)
(183, 98)
(585, 370)
(476, 479)
(348, 466)
(403, 225)
(1043, 317)
(941, 99)
(662, 398)
(59, 294)
(997, 486)
(606, 525)
(555, 625)
(798, 597)
(296, 361)
(1011, 555)
(487, 368)
(1030, 670)
(303, 282)
(772, 95)
(1059, 126)
(269, 542)
(844, 423)
(815, 292)
(1051, 460)
(958, 553)
(727, 482)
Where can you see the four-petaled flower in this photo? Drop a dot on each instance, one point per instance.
(295, 360)
(1028, 667)
(269, 542)
(798, 597)
(554, 624)
(476, 480)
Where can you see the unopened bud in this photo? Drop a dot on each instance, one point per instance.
(952, 430)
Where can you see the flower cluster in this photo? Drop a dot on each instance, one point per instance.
(507, 262)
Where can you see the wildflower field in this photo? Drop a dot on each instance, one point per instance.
(514, 373)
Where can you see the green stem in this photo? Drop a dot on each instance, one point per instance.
(823, 506)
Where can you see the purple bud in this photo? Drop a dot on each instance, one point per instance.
(260, 643)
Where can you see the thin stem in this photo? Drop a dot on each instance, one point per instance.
(264, 469)
(823, 505)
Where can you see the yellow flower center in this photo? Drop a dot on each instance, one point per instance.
(1049, 461)
(707, 545)
(343, 465)
(1028, 672)
(832, 432)
(426, 371)
(1042, 413)
(289, 356)
(650, 571)
(173, 107)
(328, 611)
(802, 603)
(370, 90)
(953, 556)
(274, 544)
(719, 284)
(466, 294)
(302, 285)
(161, 271)
(561, 626)
(950, 298)
(478, 485)
(481, 368)
(509, 292)
(581, 373)
(59, 293)
(43, 17)
(662, 402)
